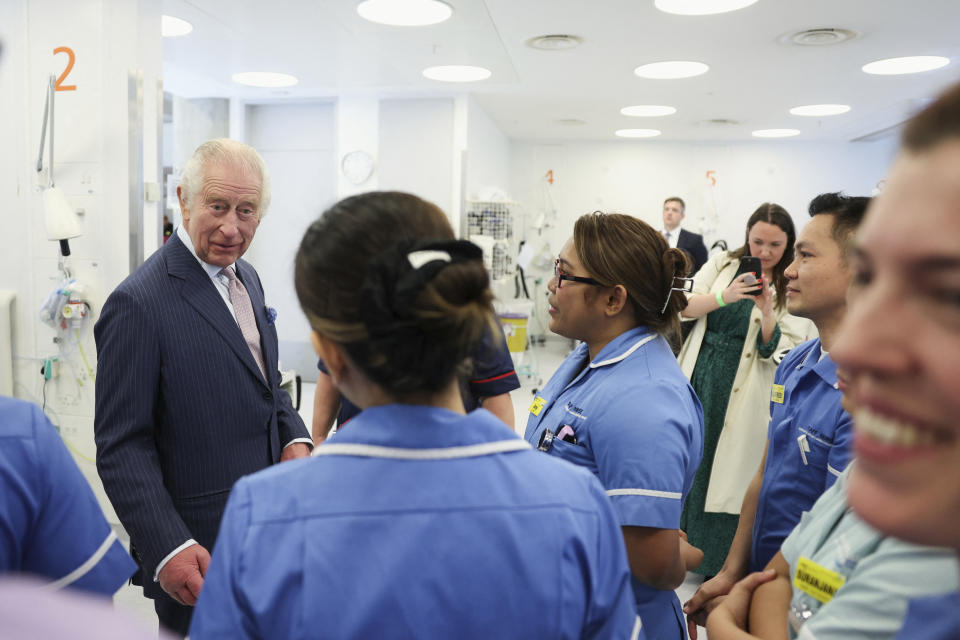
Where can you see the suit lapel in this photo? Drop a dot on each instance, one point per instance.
(201, 294)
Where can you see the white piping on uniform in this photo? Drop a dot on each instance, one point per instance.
(834, 471)
(85, 568)
(636, 629)
(673, 495)
(640, 343)
(398, 453)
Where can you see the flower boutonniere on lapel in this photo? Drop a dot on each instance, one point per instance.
(271, 314)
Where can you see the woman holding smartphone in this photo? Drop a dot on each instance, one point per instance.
(741, 325)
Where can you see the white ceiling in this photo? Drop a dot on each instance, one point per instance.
(754, 78)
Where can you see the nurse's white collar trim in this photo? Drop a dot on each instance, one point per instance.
(399, 453)
(637, 345)
(636, 629)
(87, 565)
(834, 471)
(673, 495)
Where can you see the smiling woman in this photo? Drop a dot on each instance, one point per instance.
(901, 341)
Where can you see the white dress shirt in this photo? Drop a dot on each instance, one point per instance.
(674, 236)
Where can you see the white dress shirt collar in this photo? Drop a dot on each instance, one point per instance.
(674, 236)
(211, 269)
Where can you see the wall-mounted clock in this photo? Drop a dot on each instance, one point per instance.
(357, 166)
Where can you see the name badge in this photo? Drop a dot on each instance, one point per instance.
(537, 406)
(776, 395)
(817, 581)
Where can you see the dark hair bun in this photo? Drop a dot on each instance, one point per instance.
(366, 279)
(415, 307)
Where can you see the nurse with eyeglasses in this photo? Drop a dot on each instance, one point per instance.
(619, 405)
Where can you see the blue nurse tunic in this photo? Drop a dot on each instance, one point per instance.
(417, 522)
(932, 618)
(50, 522)
(639, 429)
(809, 446)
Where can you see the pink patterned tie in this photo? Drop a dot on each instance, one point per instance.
(245, 318)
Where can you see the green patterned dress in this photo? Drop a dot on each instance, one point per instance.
(712, 379)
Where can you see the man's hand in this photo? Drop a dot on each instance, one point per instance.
(731, 614)
(182, 576)
(710, 594)
(294, 451)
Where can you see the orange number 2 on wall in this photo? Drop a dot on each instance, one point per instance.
(63, 76)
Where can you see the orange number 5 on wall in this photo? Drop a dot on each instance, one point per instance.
(63, 76)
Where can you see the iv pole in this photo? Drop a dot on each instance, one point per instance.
(60, 217)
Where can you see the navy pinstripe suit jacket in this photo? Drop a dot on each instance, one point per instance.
(182, 410)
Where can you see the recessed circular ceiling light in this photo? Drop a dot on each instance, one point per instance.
(268, 79)
(555, 42)
(456, 73)
(671, 70)
(648, 110)
(775, 133)
(909, 64)
(637, 133)
(820, 110)
(172, 27)
(700, 7)
(405, 13)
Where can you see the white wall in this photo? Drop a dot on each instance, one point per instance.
(416, 148)
(488, 154)
(95, 167)
(297, 142)
(635, 178)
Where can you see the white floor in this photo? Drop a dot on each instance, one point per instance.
(535, 368)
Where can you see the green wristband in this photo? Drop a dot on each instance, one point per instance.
(720, 298)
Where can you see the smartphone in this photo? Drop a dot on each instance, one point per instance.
(750, 264)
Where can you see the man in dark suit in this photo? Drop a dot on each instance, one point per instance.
(187, 391)
(691, 243)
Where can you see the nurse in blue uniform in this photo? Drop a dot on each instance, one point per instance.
(808, 446)
(619, 405)
(50, 522)
(418, 520)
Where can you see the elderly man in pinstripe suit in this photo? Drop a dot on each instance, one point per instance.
(187, 396)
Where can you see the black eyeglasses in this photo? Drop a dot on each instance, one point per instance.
(562, 276)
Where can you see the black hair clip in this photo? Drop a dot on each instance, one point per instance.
(687, 287)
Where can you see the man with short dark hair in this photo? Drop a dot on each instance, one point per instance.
(674, 210)
(809, 437)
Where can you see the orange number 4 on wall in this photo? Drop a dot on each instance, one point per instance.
(63, 76)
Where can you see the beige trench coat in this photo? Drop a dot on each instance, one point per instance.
(744, 434)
